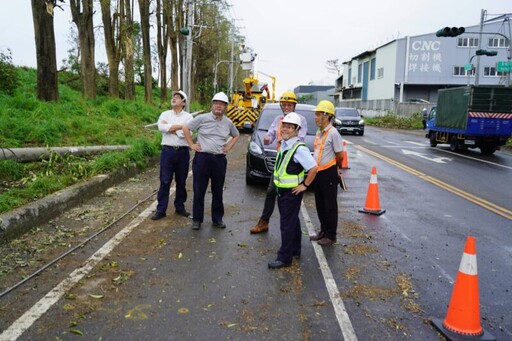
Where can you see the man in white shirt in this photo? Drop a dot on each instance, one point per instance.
(175, 156)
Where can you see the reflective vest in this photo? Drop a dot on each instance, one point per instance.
(281, 177)
(321, 151)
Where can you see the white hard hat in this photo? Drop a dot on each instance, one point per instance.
(220, 96)
(292, 118)
(182, 94)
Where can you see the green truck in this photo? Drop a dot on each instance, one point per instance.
(471, 117)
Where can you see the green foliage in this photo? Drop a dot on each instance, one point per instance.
(391, 120)
(10, 170)
(9, 80)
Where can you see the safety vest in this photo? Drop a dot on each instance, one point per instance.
(321, 151)
(281, 177)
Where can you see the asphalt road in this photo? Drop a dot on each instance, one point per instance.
(385, 279)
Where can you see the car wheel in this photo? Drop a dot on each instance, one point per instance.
(249, 180)
(361, 132)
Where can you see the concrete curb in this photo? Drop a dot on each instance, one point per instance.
(19, 221)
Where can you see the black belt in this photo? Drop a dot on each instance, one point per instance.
(175, 147)
(212, 155)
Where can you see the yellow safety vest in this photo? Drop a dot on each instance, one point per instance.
(281, 178)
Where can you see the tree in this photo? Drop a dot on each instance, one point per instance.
(175, 20)
(333, 65)
(146, 48)
(82, 13)
(162, 43)
(47, 81)
(112, 32)
(128, 50)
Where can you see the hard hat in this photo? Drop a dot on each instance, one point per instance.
(182, 94)
(325, 106)
(288, 96)
(220, 96)
(292, 118)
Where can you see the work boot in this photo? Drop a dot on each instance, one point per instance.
(261, 227)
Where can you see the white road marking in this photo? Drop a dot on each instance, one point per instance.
(24, 322)
(337, 303)
(473, 158)
(423, 156)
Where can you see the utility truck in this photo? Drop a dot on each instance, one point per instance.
(471, 117)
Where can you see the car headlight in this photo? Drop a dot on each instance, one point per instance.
(337, 121)
(361, 122)
(255, 148)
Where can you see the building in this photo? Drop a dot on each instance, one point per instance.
(404, 74)
(312, 94)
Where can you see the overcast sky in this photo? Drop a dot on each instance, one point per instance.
(293, 38)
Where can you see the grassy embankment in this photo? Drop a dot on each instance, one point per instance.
(72, 121)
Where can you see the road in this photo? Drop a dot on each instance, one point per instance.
(385, 279)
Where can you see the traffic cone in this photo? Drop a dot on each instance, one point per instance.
(372, 205)
(344, 163)
(462, 320)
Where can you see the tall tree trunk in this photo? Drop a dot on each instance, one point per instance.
(82, 13)
(146, 50)
(47, 81)
(175, 21)
(111, 30)
(162, 41)
(128, 48)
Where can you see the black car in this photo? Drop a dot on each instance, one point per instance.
(348, 120)
(261, 158)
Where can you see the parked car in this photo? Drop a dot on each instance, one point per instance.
(261, 158)
(348, 120)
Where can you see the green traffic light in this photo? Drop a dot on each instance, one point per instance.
(185, 31)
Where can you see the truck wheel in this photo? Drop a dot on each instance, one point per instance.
(487, 150)
(433, 141)
(454, 144)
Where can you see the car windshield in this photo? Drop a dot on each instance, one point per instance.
(268, 115)
(346, 112)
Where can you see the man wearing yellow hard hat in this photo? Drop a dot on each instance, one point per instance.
(329, 156)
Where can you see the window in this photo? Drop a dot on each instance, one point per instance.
(359, 72)
(497, 42)
(460, 71)
(372, 69)
(380, 72)
(349, 76)
(467, 42)
(490, 71)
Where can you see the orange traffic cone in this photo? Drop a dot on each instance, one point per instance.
(344, 163)
(372, 205)
(462, 320)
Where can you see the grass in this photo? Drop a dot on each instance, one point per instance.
(72, 121)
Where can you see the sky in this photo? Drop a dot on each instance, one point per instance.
(293, 39)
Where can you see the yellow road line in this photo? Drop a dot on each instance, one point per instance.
(501, 211)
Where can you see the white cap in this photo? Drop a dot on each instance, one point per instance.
(220, 96)
(293, 118)
(182, 94)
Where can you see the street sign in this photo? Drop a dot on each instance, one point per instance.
(468, 67)
(504, 66)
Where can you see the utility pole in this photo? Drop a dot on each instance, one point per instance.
(232, 62)
(187, 63)
(477, 71)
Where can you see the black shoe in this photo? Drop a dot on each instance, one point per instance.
(219, 224)
(277, 264)
(158, 215)
(183, 213)
(196, 225)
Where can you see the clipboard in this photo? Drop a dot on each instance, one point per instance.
(341, 181)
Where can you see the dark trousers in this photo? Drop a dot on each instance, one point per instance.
(291, 235)
(205, 167)
(326, 193)
(173, 162)
(270, 201)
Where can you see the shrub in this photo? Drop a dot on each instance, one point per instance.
(8, 76)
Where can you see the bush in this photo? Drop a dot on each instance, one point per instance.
(8, 76)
